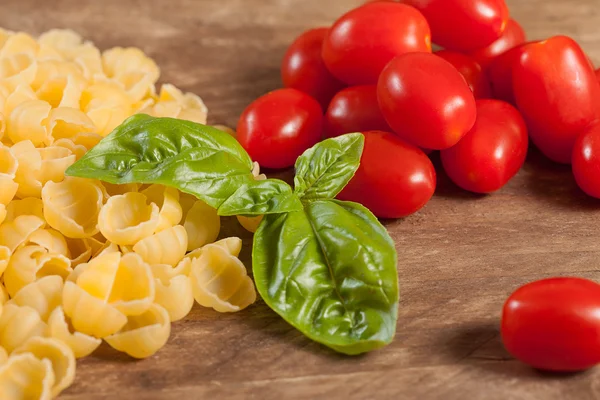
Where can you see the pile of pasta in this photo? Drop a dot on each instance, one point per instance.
(83, 261)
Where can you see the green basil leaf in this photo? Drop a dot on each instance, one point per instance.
(191, 157)
(269, 196)
(323, 170)
(330, 271)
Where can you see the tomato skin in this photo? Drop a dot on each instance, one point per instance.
(492, 152)
(470, 70)
(500, 74)
(432, 119)
(554, 324)
(586, 160)
(277, 127)
(354, 109)
(394, 179)
(463, 25)
(558, 94)
(512, 36)
(303, 68)
(598, 74)
(360, 44)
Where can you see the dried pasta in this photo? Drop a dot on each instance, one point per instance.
(25, 376)
(43, 295)
(19, 324)
(165, 247)
(128, 218)
(202, 224)
(167, 199)
(58, 328)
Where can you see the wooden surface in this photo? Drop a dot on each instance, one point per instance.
(460, 257)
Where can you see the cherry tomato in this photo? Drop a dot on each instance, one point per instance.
(463, 25)
(302, 67)
(354, 109)
(558, 94)
(426, 100)
(470, 70)
(586, 160)
(279, 126)
(598, 74)
(492, 152)
(394, 179)
(500, 74)
(360, 44)
(554, 324)
(512, 36)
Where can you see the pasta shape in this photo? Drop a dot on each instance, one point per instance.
(51, 240)
(30, 164)
(20, 94)
(55, 160)
(51, 69)
(8, 162)
(60, 356)
(3, 294)
(81, 344)
(61, 92)
(67, 122)
(3, 356)
(2, 118)
(193, 108)
(167, 200)
(25, 122)
(43, 295)
(249, 223)
(19, 43)
(30, 263)
(76, 149)
(118, 61)
(8, 189)
(115, 190)
(17, 69)
(26, 206)
(86, 139)
(80, 251)
(165, 247)
(175, 295)
(5, 254)
(202, 224)
(2, 213)
(126, 219)
(17, 232)
(165, 271)
(144, 334)
(24, 376)
(233, 245)
(219, 280)
(89, 314)
(18, 324)
(72, 206)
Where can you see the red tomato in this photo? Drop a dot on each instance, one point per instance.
(361, 43)
(500, 74)
(512, 36)
(586, 160)
(279, 126)
(426, 100)
(395, 179)
(463, 25)
(492, 152)
(598, 74)
(470, 70)
(354, 109)
(558, 94)
(303, 68)
(554, 324)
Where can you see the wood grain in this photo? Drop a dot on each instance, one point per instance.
(460, 256)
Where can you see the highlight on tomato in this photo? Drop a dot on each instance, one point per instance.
(470, 70)
(279, 126)
(360, 43)
(394, 179)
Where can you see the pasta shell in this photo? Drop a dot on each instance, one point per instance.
(189, 102)
(25, 122)
(72, 206)
(144, 334)
(137, 84)
(118, 61)
(30, 263)
(30, 164)
(2, 118)
(24, 376)
(80, 251)
(51, 69)
(126, 219)
(2, 213)
(165, 247)
(99, 274)
(66, 122)
(19, 43)
(87, 139)
(220, 280)
(17, 69)
(89, 314)
(19, 95)
(175, 295)
(17, 232)
(61, 92)
(88, 59)
(43, 295)
(58, 327)
(233, 245)
(60, 356)
(51, 240)
(18, 324)
(250, 223)
(8, 162)
(76, 149)
(5, 254)
(202, 224)
(65, 41)
(166, 272)
(115, 190)
(26, 206)
(3, 357)
(167, 200)
(8, 189)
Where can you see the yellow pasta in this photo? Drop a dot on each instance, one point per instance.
(202, 224)
(26, 206)
(20, 94)
(51, 240)
(175, 295)
(76, 149)
(167, 200)
(19, 324)
(126, 219)
(72, 206)
(8, 189)
(118, 61)
(17, 69)
(89, 314)
(25, 122)
(2, 213)
(144, 334)
(115, 190)
(19, 43)
(55, 160)
(80, 251)
(24, 376)
(165, 271)
(192, 106)
(43, 295)
(165, 247)
(233, 245)
(30, 263)
(81, 344)
(67, 122)
(3, 356)
(17, 231)
(8, 162)
(30, 164)
(219, 280)
(5, 254)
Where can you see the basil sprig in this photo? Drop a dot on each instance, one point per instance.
(327, 267)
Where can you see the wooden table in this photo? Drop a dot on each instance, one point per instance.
(460, 257)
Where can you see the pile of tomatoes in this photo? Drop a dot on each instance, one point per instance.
(478, 101)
